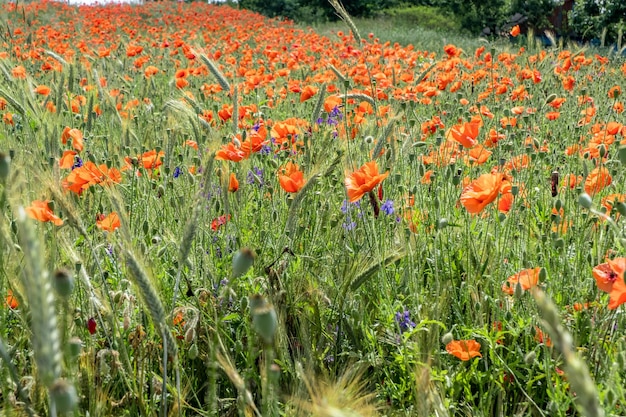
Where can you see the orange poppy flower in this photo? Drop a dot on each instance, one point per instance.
(76, 136)
(67, 160)
(233, 184)
(618, 294)
(108, 223)
(19, 72)
(230, 152)
(465, 133)
(152, 159)
(515, 30)
(39, 210)
(364, 180)
(89, 174)
(597, 180)
(308, 92)
(331, 103)
(290, 177)
(42, 90)
(464, 349)
(541, 337)
(527, 279)
(482, 191)
(11, 301)
(606, 274)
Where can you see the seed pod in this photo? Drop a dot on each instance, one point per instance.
(64, 396)
(585, 200)
(63, 282)
(242, 261)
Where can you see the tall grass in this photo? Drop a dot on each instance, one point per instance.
(192, 167)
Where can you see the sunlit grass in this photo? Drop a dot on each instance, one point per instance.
(230, 215)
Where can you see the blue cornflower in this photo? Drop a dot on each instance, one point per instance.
(265, 150)
(404, 322)
(77, 162)
(348, 225)
(177, 172)
(387, 207)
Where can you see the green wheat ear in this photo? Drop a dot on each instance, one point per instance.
(575, 368)
(38, 290)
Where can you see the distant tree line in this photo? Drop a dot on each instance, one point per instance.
(579, 19)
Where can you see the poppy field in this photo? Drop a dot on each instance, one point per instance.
(208, 212)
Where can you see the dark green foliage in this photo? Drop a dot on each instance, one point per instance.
(536, 12)
(314, 10)
(426, 17)
(591, 17)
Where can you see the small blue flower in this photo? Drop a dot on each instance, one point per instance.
(177, 172)
(265, 150)
(387, 207)
(404, 322)
(77, 162)
(348, 225)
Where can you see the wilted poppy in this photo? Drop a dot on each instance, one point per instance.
(290, 177)
(364, 180)
(40, 210)
(482, 191)
(464, 349)
(526, 278)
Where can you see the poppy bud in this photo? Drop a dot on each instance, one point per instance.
(559, 243)
(447, 338)
(442, 223)
(264, 320)
(192, 353)
(63, 396)
(602, 150)
(63, 282)
(585, 200)
(190, 335)
(621, 154)
(92, 325)
(519, 291)
(242, 261)
(558, 204)
(550, 98)
(76, 346)
(621, 208)
(5, 166)
(530, 357)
